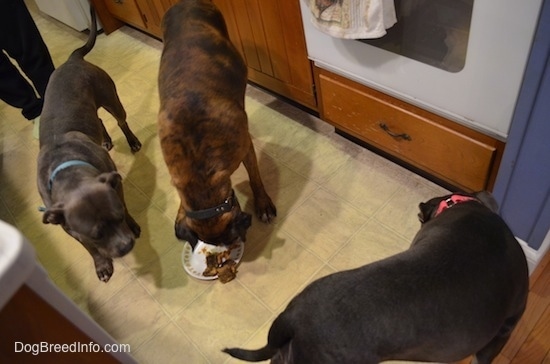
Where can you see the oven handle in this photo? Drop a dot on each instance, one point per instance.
(386, 128)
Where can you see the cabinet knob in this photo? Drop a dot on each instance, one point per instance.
(395, 135)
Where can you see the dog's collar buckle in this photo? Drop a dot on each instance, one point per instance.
(64, 165)
(225, 206)
(452, 201)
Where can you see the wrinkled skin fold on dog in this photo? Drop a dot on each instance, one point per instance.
(203, 125)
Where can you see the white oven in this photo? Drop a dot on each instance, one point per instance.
(461, 59)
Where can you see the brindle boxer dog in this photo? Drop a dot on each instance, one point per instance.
(203, 126)
(77, 179)
(459, 290)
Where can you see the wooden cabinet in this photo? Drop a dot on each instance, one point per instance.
(451, 152)
(28, 319)
(127, 11)
(269, 34)
(142, 14)
(152, 12)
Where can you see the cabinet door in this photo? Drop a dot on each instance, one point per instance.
(127, 11)
(153, 11)
(270, 37)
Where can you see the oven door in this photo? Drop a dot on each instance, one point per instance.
(461, 59)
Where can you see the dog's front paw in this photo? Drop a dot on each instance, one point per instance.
(266, 210)
(135, 146)
(104, 268)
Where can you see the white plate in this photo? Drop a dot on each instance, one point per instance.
(194, 263)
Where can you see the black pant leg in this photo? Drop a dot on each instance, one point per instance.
(21, 40)
(16, 91)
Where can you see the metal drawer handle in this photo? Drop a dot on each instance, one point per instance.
(404, 136)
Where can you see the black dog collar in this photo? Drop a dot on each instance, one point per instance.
(224, 207)
(453, 200)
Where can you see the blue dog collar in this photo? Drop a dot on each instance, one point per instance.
(64, 165)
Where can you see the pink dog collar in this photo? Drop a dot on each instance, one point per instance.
(453, 200)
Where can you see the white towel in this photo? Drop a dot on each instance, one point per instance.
(353, 19)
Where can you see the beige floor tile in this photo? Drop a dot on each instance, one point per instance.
(147, 174)
(167, 199)
(169, 345)
(287, 188)
(273, 133)
(400, 213)
(10, 139)
(167, 281)
(80, 283)
(157, 237)
(56, 250)
(20, 176)
(323, 223)
(224, 314)
(276, 269)
(366, 182)
(132, 316)
(373, 242)
(259, 339)
(318, 148)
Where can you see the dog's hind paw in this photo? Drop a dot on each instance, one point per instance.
(133, 141)
(107, 145)
(135, 146)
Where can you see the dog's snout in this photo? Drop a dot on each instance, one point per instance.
(125, 247)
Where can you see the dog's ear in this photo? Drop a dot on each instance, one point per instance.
(184, 233)
(54, 215)
(487, 199)
(426, 211)
(112, 178)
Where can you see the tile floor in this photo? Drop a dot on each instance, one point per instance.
(340, 206)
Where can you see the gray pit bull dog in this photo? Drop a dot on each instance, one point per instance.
(458, 291)
(77, 179)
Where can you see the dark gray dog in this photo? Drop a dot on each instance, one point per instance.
(77, 178)
(459, 290)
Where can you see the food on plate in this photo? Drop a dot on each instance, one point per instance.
(220, 264)
(228, 271)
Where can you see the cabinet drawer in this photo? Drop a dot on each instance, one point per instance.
(446, 150)
(127, 11)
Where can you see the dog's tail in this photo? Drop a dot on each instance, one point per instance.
(264, 353)
(278, 343)
(86, 48)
